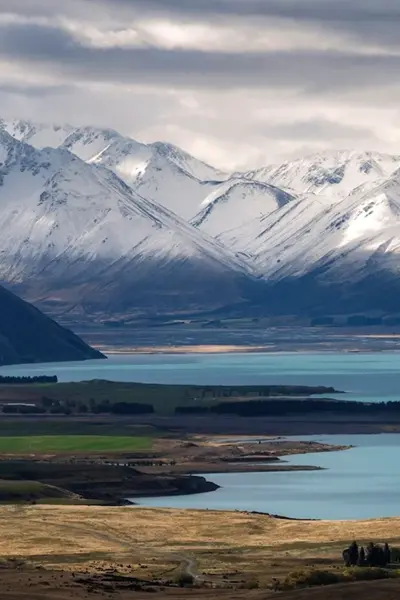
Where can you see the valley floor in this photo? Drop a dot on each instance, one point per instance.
(237, 336)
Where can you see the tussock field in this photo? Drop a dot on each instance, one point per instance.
(78, 552)
(78, 537)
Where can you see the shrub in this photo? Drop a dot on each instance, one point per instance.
(311, 578)
(251, 585)
(185, 580)
(308, 578)
(366, 573)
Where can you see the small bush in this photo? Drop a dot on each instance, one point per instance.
(185, 580)
(308, 578)
(367, 573)
(250, 585)
(311, 578)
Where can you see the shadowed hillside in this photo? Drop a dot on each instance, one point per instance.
(27, 335)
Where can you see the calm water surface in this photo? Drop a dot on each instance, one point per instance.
(363, 482)
(374, 376)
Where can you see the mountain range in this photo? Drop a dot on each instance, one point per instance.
(97, 225)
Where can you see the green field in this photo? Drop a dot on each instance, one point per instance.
(59, 444)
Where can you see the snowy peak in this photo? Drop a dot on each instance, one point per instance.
(348, 239)
(237, 201)
(160, 171)
(100, 145)
(334, 174)
(192, 166)
(74, 231)
(37, 134)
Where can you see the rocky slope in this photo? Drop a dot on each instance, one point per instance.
(329, 174)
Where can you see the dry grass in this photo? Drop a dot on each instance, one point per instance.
(231, 548)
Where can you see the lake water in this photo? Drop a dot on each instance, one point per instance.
(359, 483)
(366, 376)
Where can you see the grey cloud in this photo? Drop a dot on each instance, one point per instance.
(61, 53)
(233, 91)
(315, 130)
(368, 20)
(316, 10)
(34, 91)
(320, 10)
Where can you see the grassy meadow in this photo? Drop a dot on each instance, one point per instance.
(60, 444)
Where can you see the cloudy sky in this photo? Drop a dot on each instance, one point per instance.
(238, 83)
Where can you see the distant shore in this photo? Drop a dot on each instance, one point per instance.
(230, 349)
(194, 349)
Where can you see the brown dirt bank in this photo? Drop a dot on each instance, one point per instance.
(205, 454)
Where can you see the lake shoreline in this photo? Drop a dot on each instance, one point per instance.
(272, 461)
(204, 349)
(340, 490)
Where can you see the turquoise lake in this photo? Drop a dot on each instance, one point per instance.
(363, 482)
(369, 376)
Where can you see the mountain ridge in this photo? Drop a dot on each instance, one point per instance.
(73, 226)
(169, 233)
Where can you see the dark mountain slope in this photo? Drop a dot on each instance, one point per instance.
(27, 335)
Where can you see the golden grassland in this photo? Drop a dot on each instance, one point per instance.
(221, 546)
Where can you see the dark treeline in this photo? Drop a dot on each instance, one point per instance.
(53, 407)
(120, 408)
(20, 409)
(264, 391)
(255, 408)
(29, 380)
(131, 408)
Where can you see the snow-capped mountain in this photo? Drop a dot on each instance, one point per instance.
(75, 233)
(237, 201)
(331, 174)
(39, 135)
(337, 254)
(159, 171)
(99, 220)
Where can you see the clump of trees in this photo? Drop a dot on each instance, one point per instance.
(29, 380)
(373, 556)
(23, 409)
(282, 407)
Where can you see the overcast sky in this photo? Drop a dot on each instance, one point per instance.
(238, 83)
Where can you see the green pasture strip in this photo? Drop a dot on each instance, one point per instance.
(72, 443)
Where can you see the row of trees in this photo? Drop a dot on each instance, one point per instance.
(373, 556)
(251, 408)
(29, 380)
(55, 407)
